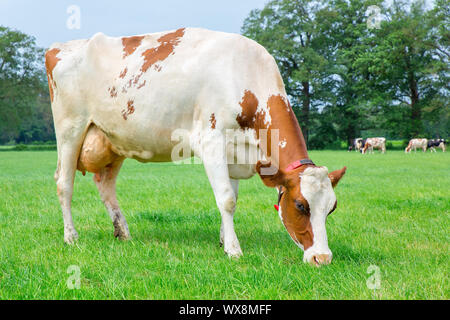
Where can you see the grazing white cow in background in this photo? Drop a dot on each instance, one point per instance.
(371, 143)
(417, 143)
(117, 98)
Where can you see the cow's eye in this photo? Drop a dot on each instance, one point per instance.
(300, 206)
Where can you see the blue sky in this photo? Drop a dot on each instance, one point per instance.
(46, 19)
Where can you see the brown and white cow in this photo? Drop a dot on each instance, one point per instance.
(117, 98)
(417, 143)
(377, 143)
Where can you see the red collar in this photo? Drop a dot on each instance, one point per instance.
(298, 164)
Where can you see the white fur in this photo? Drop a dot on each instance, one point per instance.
(316, 188)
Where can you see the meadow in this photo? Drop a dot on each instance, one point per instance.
(391, 226)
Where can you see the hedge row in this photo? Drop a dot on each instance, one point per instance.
(26, 147)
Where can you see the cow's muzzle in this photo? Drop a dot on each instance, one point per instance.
(320, 259)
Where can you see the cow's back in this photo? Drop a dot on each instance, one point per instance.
(139, 89)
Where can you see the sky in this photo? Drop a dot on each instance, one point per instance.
(52, 21)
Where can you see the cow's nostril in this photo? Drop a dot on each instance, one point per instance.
(316, 260)
(321, 259)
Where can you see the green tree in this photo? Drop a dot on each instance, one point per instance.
(24, 101)
(403, 65)
(289, 30)
(352, 111)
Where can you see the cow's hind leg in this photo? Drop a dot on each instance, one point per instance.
(69, 144)
(106, 184)
(97, 156)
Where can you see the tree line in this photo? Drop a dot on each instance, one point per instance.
(351, 68)
(356, 68)
(25, 114)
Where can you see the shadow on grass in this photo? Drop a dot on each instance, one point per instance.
(346, 253)
(177, 227)
(175, 216)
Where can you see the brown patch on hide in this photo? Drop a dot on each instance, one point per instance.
(123, 73)
(213, 121)
(129, 110)
(112, 92)
(250, 118)
(130, 44)
(284, 119)
(167, 46)
(297, 222)
(51, 60)
(142, 84)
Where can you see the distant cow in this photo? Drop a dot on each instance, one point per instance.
(371, 143)
(436, 143)
(352, 145)
(417, 143)
(357, 144)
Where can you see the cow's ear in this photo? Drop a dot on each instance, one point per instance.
(335, 176)
(270, 175)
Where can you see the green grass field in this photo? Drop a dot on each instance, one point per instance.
(393, 213)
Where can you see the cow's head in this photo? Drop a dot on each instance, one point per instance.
(306, 199)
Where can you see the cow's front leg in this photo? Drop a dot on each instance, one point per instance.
(235, 185)
(216, 168)
(226, 202)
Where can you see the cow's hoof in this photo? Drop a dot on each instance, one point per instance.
(222, 236)
(235, 253)
(123, 237)
(121, 230)
(121, 234)
(70, 237)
